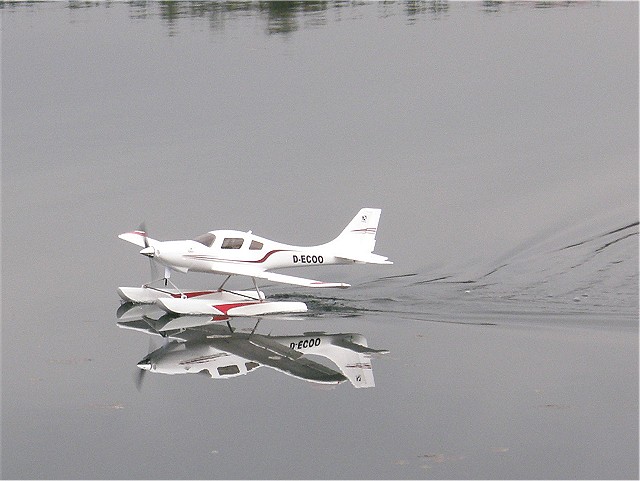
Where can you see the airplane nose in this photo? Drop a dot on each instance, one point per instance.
(148, 251)
(145, 364)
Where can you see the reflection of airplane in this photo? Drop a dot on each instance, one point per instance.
(224, 352)
(231, 253)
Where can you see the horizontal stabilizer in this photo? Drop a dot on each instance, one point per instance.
(363, 257)
(352, 346)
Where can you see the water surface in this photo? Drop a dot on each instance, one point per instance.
(500, 142)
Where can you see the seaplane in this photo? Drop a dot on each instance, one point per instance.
(236, 253)
(223, 352)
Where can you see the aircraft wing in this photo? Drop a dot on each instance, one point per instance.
(269, 352)
(300, 281)
(251, 271)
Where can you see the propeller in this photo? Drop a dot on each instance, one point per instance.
(145, 365)
(142, 228)
(148, 251)
(140, 375)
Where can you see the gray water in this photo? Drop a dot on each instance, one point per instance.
(500, 142)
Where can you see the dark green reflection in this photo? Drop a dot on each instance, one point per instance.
(283, 17)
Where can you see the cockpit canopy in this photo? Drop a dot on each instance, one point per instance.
(206, 239)
(230, 242)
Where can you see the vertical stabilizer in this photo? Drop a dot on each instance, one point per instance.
(360, 233)
(358, 239)
(353, 357)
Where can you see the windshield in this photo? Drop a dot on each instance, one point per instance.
(206, 239)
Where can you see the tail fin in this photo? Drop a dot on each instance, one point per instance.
(358, 239)
(354, 359)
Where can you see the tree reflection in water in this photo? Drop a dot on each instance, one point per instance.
(283, 17)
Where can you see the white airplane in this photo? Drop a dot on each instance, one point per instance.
(231, 253)
(224, 353)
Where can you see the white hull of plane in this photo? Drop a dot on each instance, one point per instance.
(149, 295)
(212, 303)
(235, 253)
(221, 308)
(225, 353)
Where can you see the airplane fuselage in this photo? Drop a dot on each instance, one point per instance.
(239, 248)
(233, 252)
(237, 354)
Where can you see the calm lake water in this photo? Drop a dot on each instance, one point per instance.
(500, 142)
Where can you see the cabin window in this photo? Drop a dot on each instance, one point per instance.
(206, 239)
(228, 370)
(256, 246)
(232, 243)
(251, 365)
